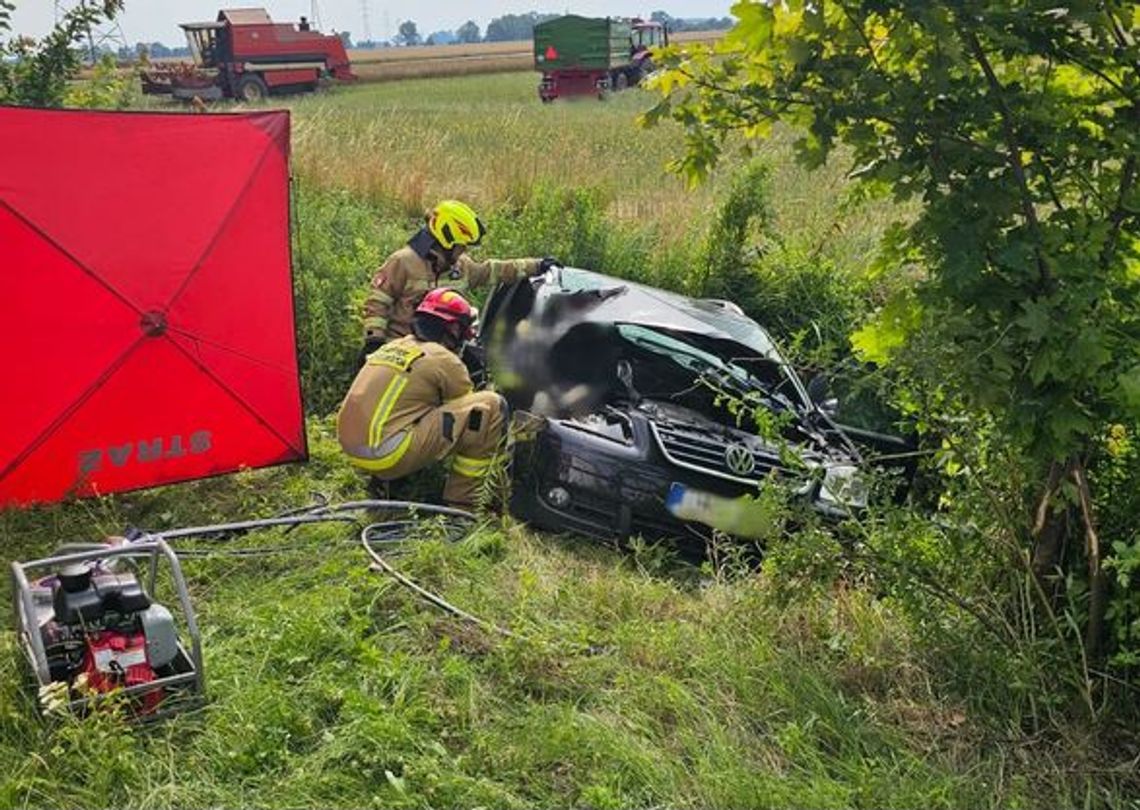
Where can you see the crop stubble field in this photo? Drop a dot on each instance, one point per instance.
(512, 47)
(422, 61)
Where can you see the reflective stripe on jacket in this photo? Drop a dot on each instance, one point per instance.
(400, 382)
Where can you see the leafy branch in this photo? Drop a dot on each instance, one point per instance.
(1013, 152)
(1017, 133)
(36, 73)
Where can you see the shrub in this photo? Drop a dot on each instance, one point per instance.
(339, 243)
(107, 89)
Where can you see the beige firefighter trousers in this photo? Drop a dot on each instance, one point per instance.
(469, 429)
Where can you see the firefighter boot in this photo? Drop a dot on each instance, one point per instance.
(379, 489)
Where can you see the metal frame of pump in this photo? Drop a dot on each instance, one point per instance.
(188, 677)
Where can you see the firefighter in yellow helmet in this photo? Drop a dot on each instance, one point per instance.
(434, 257)
(412, 404)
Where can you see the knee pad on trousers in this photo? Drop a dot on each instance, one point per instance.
(479, 415)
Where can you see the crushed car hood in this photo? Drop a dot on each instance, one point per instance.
(693, 383)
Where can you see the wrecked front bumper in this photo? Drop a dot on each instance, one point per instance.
(566, 479)
(571, 479)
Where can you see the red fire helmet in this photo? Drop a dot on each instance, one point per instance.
(448, 305)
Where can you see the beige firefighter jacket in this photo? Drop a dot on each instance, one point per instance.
(400, 383)
(402, 280)
(411, 405)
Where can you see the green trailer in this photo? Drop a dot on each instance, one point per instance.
(589, 55)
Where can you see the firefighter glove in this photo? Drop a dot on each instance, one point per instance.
(371, 344)
(547, 264)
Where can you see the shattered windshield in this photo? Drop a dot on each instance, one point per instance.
(691, 357)
(745, 375)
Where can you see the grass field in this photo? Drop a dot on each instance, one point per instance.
(490, 141)
(640, 681)
(487, 140)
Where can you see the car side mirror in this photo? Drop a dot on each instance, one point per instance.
(818, 389)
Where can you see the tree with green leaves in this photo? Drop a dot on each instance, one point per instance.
(514, 27)
(1015, 126)
(468, 32)
(408, 34)
(36, 73)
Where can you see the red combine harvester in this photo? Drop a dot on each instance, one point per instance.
(245, 55)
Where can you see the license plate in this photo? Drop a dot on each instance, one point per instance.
(742, 516)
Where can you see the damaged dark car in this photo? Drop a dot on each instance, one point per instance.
(643, 412)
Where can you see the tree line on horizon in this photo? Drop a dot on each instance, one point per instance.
(506, 28)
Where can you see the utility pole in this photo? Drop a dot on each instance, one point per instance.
(109, 34)
(315, 15)
(364, 19)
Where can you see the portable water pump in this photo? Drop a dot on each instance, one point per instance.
(89, 627)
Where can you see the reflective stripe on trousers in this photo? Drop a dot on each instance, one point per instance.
(384, 409)
(471, 467)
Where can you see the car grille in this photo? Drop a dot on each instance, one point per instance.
(708, 453)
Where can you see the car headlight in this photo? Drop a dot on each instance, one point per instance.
(843, 488)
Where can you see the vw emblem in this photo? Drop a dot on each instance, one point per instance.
(739, 459)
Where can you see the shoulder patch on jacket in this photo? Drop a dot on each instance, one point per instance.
(397, 354)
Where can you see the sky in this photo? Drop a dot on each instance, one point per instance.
(157, 20)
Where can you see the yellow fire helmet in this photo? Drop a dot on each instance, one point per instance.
(454, 223)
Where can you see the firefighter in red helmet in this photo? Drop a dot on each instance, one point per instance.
(412, 404)
(436, 256)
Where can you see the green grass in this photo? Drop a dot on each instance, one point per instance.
(639, 681)
(486, 139)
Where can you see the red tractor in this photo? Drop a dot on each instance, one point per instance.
(245, 55)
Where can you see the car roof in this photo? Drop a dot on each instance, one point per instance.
(649, 306)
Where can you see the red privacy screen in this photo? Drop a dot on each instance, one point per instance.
(146, 311)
